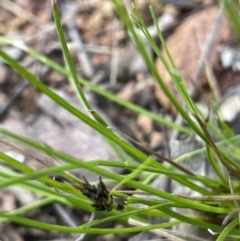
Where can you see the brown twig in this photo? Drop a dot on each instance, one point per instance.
(216, 150)
(162, 158)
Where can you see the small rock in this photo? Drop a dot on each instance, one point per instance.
(145, 123)
(16, 155)
(155, 139)
(8, 201)
(230, 107)
(13, 52)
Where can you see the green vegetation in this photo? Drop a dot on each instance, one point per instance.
(220, 159)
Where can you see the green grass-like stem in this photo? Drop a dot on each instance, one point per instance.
(45, 60)
(67, 54)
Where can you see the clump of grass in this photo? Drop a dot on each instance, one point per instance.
(212, 200)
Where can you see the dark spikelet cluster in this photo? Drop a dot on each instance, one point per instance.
(100, 196)
(102, 200)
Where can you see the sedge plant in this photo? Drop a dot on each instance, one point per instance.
(219, 197)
